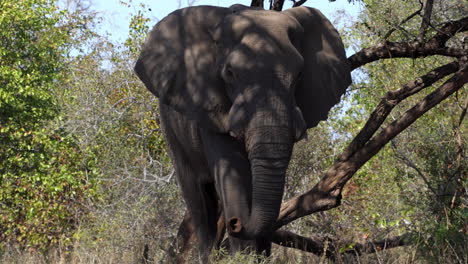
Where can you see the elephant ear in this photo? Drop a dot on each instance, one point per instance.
(326, 73)
(178, 64)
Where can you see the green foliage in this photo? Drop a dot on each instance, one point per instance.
(44, 176)
(138, 28)
(111, 113)
(31, 52)
(418, 179)
(66, 121)
(388, 196)
(44, 187)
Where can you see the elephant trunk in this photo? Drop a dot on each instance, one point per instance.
(269, 155)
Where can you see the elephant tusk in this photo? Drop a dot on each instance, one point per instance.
(232, 134)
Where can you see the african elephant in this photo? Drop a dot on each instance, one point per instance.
(237, 88)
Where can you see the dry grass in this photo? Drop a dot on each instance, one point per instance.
(103, 255)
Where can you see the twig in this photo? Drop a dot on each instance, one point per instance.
(426, 19)
(402, 22)
(463, 113)
(411, 164)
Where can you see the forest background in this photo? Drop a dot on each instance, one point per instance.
(85, 176)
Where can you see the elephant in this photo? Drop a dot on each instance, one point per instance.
(237, 88)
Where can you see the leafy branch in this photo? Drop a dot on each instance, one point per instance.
(414, 49)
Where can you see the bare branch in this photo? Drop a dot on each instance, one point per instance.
(449, 29)
(326, 194)
(315, 245)
(330, 248)
(389, 50)
(449, 87)
(413, 49)
(374, 246)
(426, 19)
(391, 99)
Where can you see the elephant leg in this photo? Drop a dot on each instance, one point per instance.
(184, 241)
(263, 245)
(230, 166)
(202, 206)
(193, 175)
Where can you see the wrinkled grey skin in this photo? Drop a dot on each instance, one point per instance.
(238, 87)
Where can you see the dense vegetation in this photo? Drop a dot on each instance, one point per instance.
(46, 177)
(85, 177)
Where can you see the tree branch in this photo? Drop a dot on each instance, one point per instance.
(378, 245)
(257, 3)
(326, 194)
(412, 165)
(392, 99)
(315, 245)
(426, 19)
(299, 3)
(402, 22)
(331, 248)
(449, 87)
(448, 30)
(413, 49)
(278, 5)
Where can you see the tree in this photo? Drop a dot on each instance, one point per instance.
(109, 112)
(46, 179)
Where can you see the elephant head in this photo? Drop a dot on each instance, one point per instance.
(262, 77)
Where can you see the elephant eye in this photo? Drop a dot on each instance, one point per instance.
(228, 73)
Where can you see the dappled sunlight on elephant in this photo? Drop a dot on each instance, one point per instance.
(237, 88)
